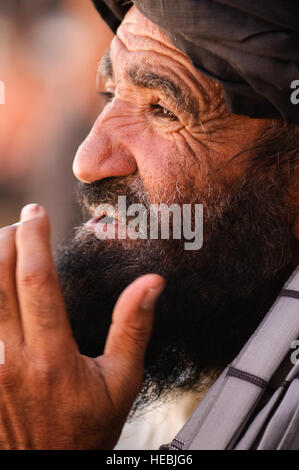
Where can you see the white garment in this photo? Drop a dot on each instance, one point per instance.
(159, 423)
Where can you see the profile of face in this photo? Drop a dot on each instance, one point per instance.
(166, 135)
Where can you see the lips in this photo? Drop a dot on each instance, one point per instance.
(100, 219)
(106, 227)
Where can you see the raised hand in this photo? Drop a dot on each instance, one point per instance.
(51, 397)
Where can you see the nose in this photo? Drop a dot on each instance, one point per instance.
(104, 153)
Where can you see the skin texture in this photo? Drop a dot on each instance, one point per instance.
(50, 395)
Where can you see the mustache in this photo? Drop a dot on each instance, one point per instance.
(108, 190)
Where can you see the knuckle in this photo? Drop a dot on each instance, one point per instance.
(44, 369)
(46, 315)
(44, 299)
(137, 336)
(36, 277)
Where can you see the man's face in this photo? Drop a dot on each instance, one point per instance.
(165, 120)
(166, 136)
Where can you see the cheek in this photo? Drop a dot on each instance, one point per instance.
(167, 166)
(211, 154)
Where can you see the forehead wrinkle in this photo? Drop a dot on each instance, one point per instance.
(130, 33)
(143, 78)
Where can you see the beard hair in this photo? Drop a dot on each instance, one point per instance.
(214, 298)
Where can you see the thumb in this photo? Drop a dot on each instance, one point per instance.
(129, 333)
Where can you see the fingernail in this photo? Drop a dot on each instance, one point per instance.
(16, 224)
(151, 297)
(29, 211)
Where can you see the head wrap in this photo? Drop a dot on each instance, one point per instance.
(251, 47)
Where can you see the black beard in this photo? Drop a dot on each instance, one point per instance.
(214, 298)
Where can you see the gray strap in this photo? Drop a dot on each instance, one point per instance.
(289, 293)
(241, 374)
(222, 414)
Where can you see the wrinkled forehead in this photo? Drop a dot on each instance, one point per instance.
(138, 33)
(140, 26)
(141, 43)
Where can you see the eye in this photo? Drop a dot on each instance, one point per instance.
(106, 95)
(158, 110)
(163, 112)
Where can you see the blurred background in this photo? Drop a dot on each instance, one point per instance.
(49, 51)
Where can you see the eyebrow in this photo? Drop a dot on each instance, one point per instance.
(105, 67)
(144, 78)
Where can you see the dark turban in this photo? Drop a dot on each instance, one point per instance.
(250, 46)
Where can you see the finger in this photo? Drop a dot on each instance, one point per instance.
(130, 331)
(10, 324)
(42, 308)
